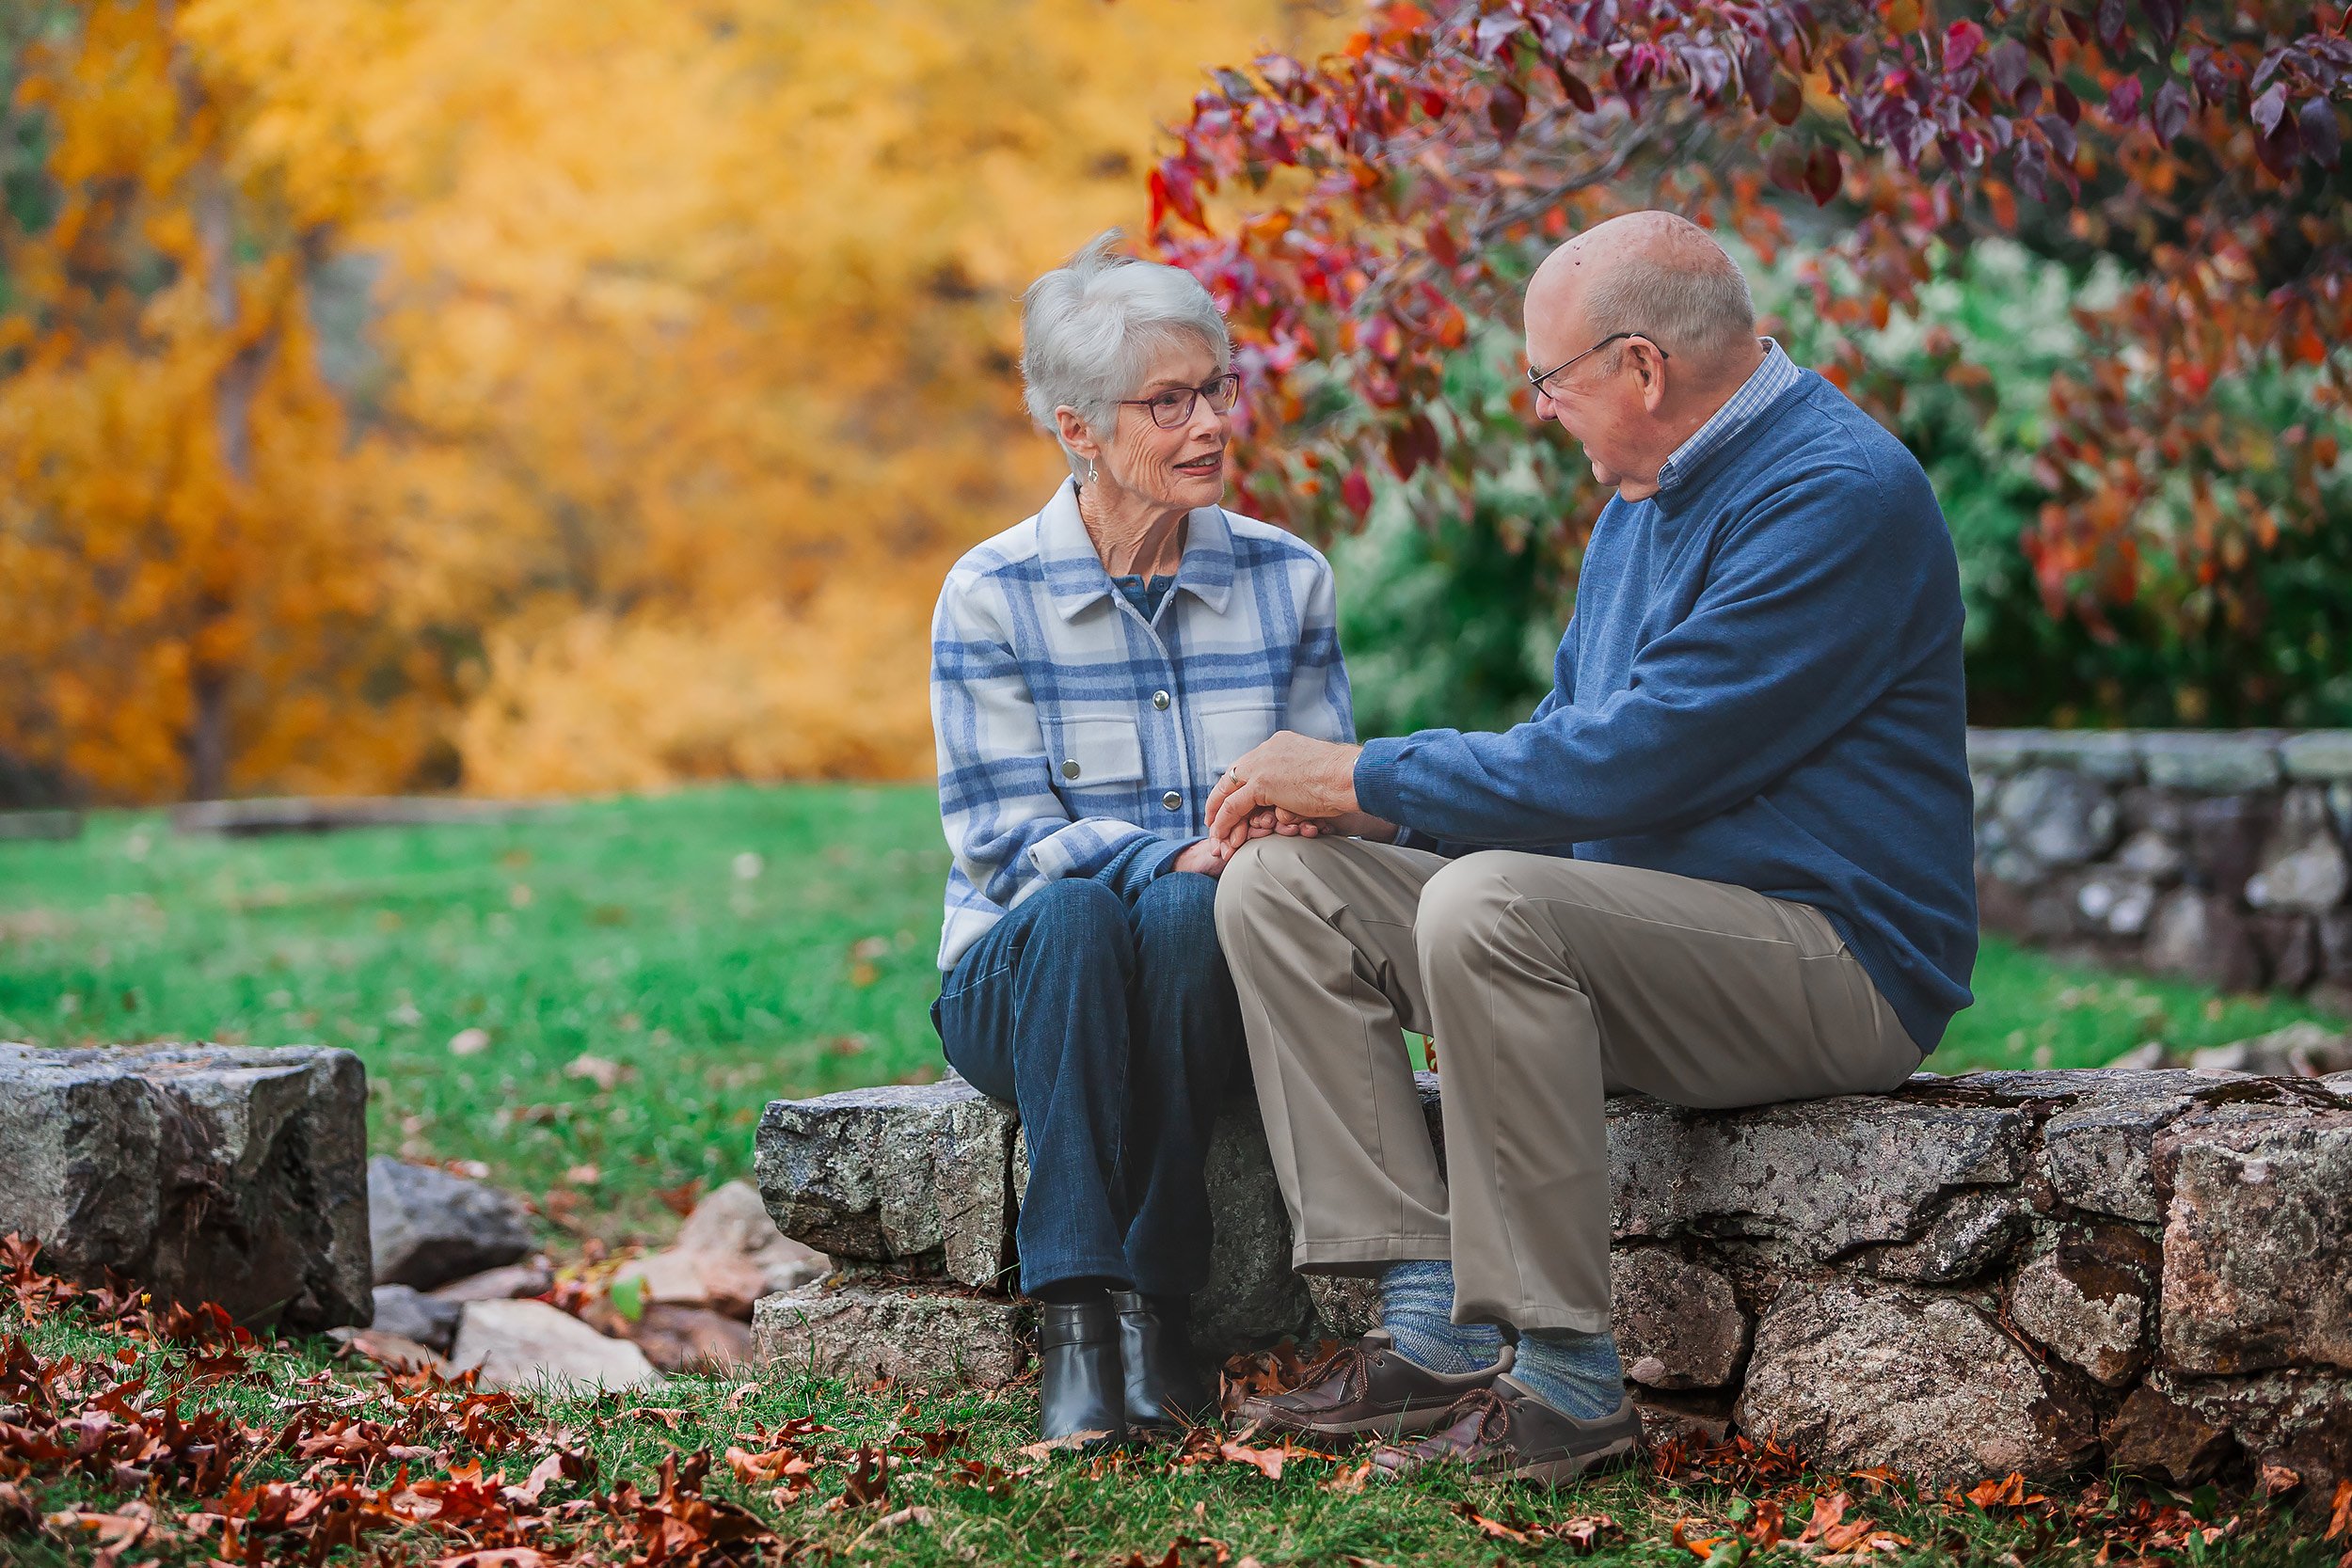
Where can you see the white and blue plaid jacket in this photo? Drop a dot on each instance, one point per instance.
(1069, 726)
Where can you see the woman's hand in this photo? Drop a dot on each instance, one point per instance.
(1210, 855)
(1207, 856)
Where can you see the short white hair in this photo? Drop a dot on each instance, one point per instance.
(1089, 328)
(1681, 289)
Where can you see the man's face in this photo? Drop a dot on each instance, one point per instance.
(1595, 400)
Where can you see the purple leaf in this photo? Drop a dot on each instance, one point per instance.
(2111, 24)
(2270, 108)
(2165, 17)
(2279, 149)
(2171, 116)
(2010, 65)
(2124, 102)
(2322, 137)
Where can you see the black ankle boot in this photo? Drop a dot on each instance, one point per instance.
(1078, 1371)
(1163, 1385)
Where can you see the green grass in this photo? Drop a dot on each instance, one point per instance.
(627, 930)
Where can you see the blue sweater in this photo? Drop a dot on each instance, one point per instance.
(1761, 685)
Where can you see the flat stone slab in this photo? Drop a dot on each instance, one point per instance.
(202, 1172)
(2043, 1272)
(863, 1331)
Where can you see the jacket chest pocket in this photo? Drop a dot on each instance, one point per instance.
(1098, 752)
(1230, 730)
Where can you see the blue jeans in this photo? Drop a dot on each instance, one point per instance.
(1113, 1027)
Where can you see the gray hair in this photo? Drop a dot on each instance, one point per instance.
(1089, 329)
(1679, 289)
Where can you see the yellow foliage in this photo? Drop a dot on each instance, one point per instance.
(692, 333)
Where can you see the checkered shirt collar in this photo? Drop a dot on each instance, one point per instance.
(1776, 375)
(1074, 573)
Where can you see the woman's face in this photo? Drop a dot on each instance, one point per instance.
(1184, 467)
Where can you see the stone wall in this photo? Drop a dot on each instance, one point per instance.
(2040, 1272)
(2220, 856)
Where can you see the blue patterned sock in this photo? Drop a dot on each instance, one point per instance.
(1417, 1310)
(1576, 1374)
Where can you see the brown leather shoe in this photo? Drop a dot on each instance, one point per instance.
(1369, 1387)
(1507, 1432)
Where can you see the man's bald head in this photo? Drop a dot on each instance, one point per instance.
(1655, 274)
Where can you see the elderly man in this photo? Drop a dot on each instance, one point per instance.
(1727, 863)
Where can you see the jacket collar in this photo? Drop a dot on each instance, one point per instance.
(1076, 577)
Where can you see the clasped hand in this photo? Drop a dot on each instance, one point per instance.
(1292, 785)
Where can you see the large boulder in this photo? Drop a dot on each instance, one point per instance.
(202, 1172)
(2258, 1242)
(1928, 1385)
(429, 1228)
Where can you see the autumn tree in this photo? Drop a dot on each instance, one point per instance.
(187, 575)
(532, 395)
(1371, 214)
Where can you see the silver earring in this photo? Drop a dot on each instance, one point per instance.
(1092, 476)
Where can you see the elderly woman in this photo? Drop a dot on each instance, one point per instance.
(1094, 668)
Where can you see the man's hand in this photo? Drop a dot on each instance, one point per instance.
(1313, 781)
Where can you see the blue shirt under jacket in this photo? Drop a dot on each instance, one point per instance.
(1761, 685)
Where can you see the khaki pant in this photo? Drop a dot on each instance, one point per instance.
(1547, 984)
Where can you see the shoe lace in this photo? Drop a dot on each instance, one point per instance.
(1348, 1363)
(1487, 1407)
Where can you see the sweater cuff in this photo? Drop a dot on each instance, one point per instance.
(1378, 788)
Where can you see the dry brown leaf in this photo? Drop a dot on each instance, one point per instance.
(2340, 1514)
(1493, 1530)
(2276, 1479)
(1762, 1527)
(1827, 1509)
(2008, 1492)
(1269, 1461)
(1073, 1441)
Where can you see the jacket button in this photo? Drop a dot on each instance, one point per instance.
(1172, 801)
(1070, 768)
(1159, 700)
